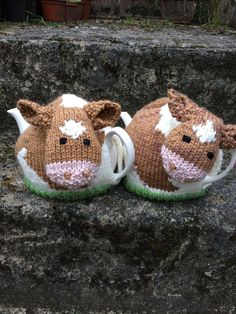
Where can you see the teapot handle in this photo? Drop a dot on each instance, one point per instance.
(128, 144)
(211, 179)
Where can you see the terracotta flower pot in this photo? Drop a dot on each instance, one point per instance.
(73, 11)
(86, 9)
(61, 10)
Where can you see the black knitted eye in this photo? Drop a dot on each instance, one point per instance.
(186, 139)
(86, 141)
(210, 155)
(63, 140)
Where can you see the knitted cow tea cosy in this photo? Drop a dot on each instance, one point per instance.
(178, 148)
(68, 149)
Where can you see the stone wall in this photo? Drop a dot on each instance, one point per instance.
(226, 12)
(126, 8)
(199, 11)
(131, 67)
(117, 253)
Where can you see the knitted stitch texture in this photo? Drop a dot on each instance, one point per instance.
(177, 143)
(62, 149)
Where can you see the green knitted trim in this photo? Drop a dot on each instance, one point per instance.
(67, 195)
(145, 192)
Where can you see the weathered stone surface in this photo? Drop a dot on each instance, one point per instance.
(216, 12)
(116, 252)
(126, 8)
(226, 12)
(201, 11)
(131, 66)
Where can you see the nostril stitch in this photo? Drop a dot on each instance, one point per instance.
(67, 175)
(86, 173)
(172, 166)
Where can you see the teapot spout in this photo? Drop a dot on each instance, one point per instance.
(21, 122)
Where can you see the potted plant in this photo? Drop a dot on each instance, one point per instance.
(62, 10)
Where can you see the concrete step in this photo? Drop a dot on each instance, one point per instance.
(116, 253)
(131, 66)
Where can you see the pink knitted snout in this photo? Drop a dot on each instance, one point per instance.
(72, 174)
(180, 169)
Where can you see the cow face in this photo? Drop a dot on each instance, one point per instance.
(190, 150)
(72, 148)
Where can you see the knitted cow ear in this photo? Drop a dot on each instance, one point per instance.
(103, 113)
(35, 114)
(228, 138)
(182, 107)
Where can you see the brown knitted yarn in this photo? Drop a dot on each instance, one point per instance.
(74, 149)
(148, 142)
(228, 140)
(181, 145)
(194, 152)
(62, 135)
(103, 113)
(29, 109)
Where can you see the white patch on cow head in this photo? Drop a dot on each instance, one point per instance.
(206, 133)
(167, 121)
(72, 128)
(30, 173)
(72, 101)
